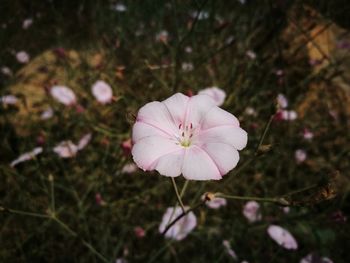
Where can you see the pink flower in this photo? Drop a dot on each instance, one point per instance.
(22, 57)
(251, 211)
(300, 156)
(282, 237)
(251, 54)
(6, 71)
(217, 94)
(102, 92)
(216, 203)
(229, 250)
(181, 228)
(27, 156)
(282, 101)
(162, 36)
(286, 115)
(139, 232)
(307, 134)
(189, 136)
(63, 95)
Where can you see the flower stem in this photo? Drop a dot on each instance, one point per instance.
(277, 200)
(178, 195)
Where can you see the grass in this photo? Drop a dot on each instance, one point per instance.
(48, 208)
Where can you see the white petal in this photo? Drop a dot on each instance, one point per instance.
(148, 150)
(22, 57)
(27, 156)
(84, 141)
(216, 203)
(224, 156)
(66, 149)
(8, 100)
(47, 114)
(218, 95)
(102, 92)
(229, 250)
(282, 237)
(157, 115)
(171, 164)
(282, 101)
(198, 165)
(63, 95)
(251, 211)
(218, 117)
(177, 106)
(142, 130)
(231, 135)
(182, 227)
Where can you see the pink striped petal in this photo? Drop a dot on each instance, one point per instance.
(198, 165)
(148, 150)
(218, 117)
(231, 135)
(224, 156)
(157, 115)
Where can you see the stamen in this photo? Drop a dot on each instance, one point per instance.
(183, 134)
(180, 126)
(191, 126)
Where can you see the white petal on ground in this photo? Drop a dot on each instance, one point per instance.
(66, 149)
(27, 156)
(251, 211)
(300, 156)
(102, 91)
(282, 101)
(181, 228)
(27, 23)
(8, 100)
(229, 250)
(47, 114)
(84, 141)
(63, 95)
(217, 94)
(282, 237)
(216, 203)
(22, 57)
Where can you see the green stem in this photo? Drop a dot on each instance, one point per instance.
(24, 213)
(178, 196)
(267, 127)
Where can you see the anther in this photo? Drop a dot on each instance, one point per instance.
(180, 126)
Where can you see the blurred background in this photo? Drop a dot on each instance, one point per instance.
(285, 69)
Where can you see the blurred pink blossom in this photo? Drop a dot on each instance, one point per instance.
(282, 101)
(84, 141)
(127, 146)
(6, 71)
(22, 57)
(182, 227)
(66, 149)
(251, 54)
(251, 211)
(99, 200)
(63, 95)
(139, 232)
(300, 155)
(217, 94)
(102, 92)
(8, 100)
(189, 136)
(282, 237)
(307, 134)
(27, 23)
(47, 114)
(216, 203)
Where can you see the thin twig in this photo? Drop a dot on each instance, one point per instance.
(178, 196)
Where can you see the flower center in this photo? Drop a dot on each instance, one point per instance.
(186, 133)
